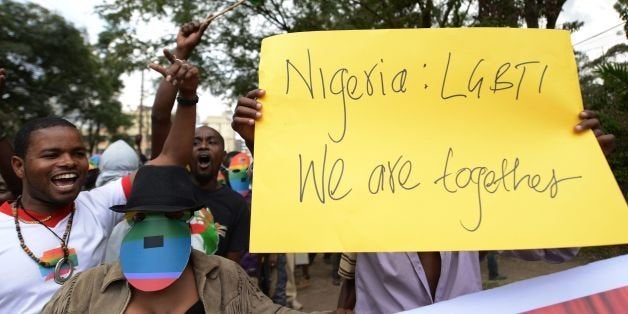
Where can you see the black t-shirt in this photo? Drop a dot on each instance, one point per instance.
(232, 217)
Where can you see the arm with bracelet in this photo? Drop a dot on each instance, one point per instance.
(188, 37)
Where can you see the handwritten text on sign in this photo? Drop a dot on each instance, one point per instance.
(444, 139)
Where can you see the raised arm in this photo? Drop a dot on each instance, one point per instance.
(177, 149)
(247, 111)
(188, 37)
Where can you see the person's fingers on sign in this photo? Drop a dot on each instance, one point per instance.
(589, 121)
(247, 111)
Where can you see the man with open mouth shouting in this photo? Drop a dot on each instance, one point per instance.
(53, 230)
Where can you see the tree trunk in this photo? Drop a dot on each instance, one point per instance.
(552, 10)
(448, 7)
(426, 14)
(531, 13)
(498, 13)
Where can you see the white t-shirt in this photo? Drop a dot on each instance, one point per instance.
(26, 287)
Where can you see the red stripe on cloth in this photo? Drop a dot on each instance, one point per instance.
(51, 222)
(607, 302)
(126, 186)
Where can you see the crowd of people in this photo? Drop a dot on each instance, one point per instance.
(170, 233)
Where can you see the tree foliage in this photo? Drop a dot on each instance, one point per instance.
(230, 52)
(52, 70)
(229, 55)
(621, 6)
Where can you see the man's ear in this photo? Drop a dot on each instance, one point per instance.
(18, 166)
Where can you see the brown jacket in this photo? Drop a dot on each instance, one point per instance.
(222, 285)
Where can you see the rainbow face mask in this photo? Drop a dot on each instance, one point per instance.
(156, 249)
(221, 177)
(239, 179)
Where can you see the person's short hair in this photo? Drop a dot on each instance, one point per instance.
(22, 138)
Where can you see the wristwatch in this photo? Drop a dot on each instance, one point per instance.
(187, 101)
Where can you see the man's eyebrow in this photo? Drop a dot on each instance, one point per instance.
(58, 150)
(51, 150)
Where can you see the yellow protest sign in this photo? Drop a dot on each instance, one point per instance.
(427, 140)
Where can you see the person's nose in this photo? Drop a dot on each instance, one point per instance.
(67, 161)
(204, 145)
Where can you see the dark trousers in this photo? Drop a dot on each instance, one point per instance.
(491, 261)
(273, 280)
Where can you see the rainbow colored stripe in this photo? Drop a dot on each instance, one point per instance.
(53, 256)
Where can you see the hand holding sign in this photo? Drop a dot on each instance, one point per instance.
(590, 122)
(247, 111)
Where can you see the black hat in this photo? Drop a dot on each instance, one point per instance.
(161, 189)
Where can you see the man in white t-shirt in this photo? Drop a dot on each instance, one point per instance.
(51, 231)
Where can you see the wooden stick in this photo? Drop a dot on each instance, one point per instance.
(211, 17)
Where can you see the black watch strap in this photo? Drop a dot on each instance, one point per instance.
(187, 101)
